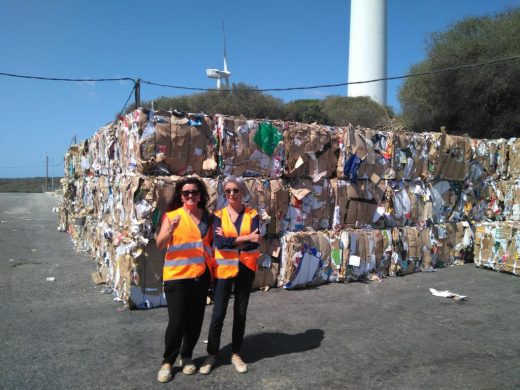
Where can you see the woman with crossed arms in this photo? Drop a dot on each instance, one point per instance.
(236, 245)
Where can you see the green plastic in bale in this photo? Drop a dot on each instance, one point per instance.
(267, 137)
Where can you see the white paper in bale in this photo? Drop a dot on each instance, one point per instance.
(295, 248)
(359, 256)
(354, 261)
(305, 271)
(402, 204)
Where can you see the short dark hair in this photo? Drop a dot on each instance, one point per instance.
(176, 201)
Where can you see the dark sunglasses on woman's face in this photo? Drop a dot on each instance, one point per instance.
(232, 190)
(190, 192)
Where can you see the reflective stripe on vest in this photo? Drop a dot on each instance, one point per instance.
(187, 254)
(177, 262)
(228, 262)
(187, 245)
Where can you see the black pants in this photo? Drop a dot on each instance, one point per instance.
(186, 300)
(242, 283)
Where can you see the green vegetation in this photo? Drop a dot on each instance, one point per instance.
(482, 101)
(250, 102)
(362, 111)
(27, 184)
(306, 111)
(242, 100)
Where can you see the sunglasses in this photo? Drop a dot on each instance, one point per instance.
(190, 192)
(230, 191)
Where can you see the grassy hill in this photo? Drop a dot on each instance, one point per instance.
(28, 184)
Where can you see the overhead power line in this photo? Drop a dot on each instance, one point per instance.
(347, 83)
(21, 76)
(465, 66)
(77, 80)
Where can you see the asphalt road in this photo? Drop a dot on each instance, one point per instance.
(68, 334)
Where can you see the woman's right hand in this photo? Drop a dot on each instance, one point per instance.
(167, 228)
(174, 223)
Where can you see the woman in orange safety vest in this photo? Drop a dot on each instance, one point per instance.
(236, 244)
(186, 234)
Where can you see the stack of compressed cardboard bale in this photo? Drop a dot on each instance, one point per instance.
(497, 234)
(390, 204)
(336, 204)
(117, 185)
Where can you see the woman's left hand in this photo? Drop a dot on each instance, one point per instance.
(254, 237)
(219, 232)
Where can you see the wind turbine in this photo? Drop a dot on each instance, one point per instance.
(220, 74)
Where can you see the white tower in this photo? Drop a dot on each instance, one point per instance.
(367, 49)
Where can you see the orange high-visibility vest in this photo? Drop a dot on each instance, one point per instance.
(187, 253)
(227, 258)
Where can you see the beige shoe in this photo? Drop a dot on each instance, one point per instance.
(188, 367)
(208, 364)
(239, 364)
(165, 373)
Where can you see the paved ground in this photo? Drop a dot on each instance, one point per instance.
(67, 334)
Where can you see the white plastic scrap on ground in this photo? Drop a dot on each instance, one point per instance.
(447, 294)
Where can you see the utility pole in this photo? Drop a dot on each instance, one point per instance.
(137, 95)
(46, 172)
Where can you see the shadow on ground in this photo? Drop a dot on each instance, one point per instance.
(270, 344)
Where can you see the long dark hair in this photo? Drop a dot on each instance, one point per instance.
(176, 201)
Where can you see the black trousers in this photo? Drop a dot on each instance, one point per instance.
(242, 288)
(186, 300)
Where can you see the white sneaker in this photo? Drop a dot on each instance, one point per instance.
(208, 364)
(188, 367)
(239, 364)
(165, 373)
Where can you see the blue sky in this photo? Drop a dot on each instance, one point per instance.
(270, 44)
